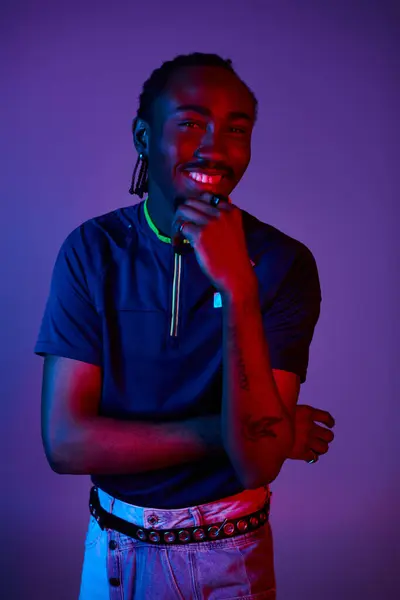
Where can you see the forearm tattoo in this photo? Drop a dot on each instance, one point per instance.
(241, 366)
(255, 429)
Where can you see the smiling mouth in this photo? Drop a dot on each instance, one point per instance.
(204, 178)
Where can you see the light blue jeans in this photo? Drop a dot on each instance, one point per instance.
(236, 568)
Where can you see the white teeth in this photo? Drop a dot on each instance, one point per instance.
(202, 178)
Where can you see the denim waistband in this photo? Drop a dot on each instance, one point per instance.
(230, 507)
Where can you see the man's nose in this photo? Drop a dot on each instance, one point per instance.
(212, 147)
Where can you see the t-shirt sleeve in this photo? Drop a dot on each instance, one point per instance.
(290, 320)
(71, 325)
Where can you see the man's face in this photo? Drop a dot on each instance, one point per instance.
(200, 135)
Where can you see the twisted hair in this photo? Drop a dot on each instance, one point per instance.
(155, 85)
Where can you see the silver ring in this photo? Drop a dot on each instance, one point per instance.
(215, 200)
(314, 459)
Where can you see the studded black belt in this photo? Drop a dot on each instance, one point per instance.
(207, 533)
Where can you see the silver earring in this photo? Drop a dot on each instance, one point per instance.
(141, 156)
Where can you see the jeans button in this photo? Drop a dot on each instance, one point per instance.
(115, 582)
(153, 520)
(113, 545)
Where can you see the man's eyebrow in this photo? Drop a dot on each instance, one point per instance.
(207, 112)
(240, 115)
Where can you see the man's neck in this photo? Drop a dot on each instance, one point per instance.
(160, 210)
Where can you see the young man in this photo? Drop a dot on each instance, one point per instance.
(176, 336)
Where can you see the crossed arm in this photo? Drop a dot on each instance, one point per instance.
(77, 440)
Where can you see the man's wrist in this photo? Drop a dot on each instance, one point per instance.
(245, 298)
(245, 295)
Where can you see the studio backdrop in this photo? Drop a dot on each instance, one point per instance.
(323, 171)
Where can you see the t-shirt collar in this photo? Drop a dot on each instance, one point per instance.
(153, 227)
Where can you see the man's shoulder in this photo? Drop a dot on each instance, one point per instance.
(97, 239)
(114, 226)
(266, 239)
(282, 262)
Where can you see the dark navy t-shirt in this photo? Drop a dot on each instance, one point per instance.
(121, 299)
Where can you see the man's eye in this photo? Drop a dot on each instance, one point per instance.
(237, 130)
(189, 124)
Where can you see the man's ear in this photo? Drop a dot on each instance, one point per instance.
(140, 131)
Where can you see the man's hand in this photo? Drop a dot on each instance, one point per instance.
(309, 436)
(217, 237)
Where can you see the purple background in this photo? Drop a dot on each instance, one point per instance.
(323, 171)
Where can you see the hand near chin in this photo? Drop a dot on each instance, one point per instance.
(216, 234)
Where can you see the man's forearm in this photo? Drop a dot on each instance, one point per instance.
(109, 446)
(257, 430)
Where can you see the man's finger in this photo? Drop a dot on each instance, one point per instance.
(224, 202)
(311, 455)
(202, 207)
(190, 231)
(319, 446)
(323, 434)
(323, 416)
(192, 214)
(207, 197)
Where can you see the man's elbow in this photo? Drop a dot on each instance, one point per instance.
(63, 466)
(58, 467)
(252, 480)
(60, 458)
(253, 484)
(55, 461)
